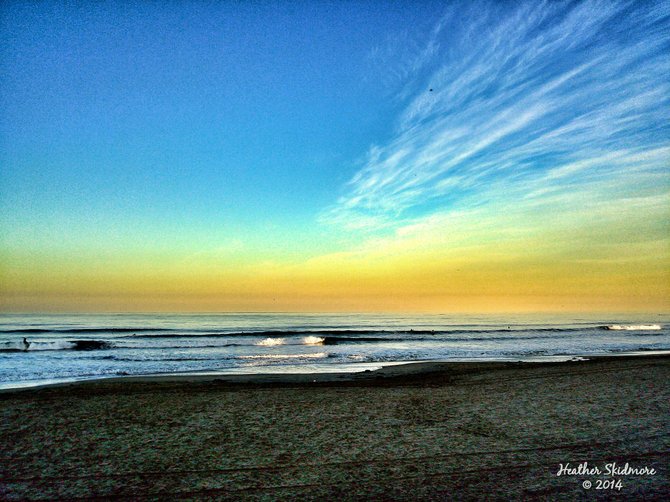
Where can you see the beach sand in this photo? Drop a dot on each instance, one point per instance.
(433, 431)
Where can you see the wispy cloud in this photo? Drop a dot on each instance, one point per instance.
(540, 102)
(398, 59)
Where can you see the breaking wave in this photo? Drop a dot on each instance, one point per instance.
(313, 340)
(55, 345)
(271, 342)
(634, 327)
(308, 340)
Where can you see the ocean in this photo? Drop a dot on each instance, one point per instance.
(39, 349)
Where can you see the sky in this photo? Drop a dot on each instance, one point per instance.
(335, 156)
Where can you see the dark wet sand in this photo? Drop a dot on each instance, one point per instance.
(436, 431)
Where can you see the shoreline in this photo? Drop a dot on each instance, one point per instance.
(422, 431)
(387, 372)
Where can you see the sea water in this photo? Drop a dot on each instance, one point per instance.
(37, 349)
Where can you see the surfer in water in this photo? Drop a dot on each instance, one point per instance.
(26, 344)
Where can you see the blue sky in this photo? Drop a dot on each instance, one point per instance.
(196, 111)
(285, 136)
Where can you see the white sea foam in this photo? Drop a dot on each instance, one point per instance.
(55, 345)
(317, 355)
(34, 346)
(271, 342)
(634, 327)
(313, 340)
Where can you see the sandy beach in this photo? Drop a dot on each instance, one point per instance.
(430, 431)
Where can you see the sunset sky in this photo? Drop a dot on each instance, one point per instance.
(335, 156)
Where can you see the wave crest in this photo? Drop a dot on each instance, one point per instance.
(55, 345)
(313, 340)
(271, 342)
(634, 327)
